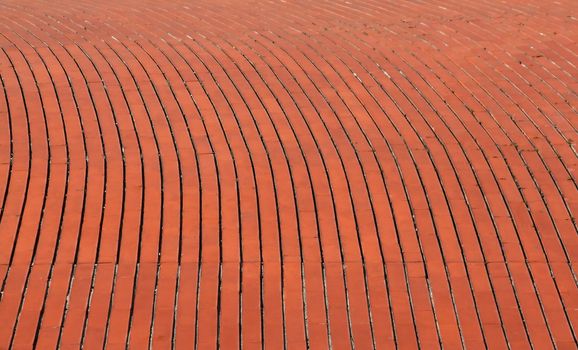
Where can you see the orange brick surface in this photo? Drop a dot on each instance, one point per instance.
(288, 174)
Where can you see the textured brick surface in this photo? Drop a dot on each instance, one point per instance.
(288, 174)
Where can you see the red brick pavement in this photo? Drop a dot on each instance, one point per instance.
(288, 174)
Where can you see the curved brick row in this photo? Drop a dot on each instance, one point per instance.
(288, 174)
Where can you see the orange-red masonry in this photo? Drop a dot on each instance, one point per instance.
(295, 174)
